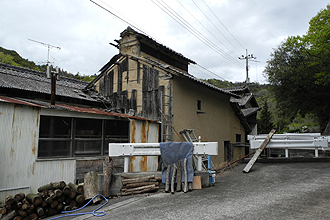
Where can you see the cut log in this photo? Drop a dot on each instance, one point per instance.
(138, 180)
(9, 216)
(43, 204)
(140, 188)
(61, 198)
(167, 179)
(91, 186)
(67, 200)
(17, 218)
(133, 185)
(59, 207)
(22, 213)
(10, 200)
(173, 178)
(67, 208)
(33, 216)
(80, 198)
(19, 196)
(57, 192)
(53, 204)
(66, 190)
(40, 211)
(73, 203)
(72, 194)
(34, 198)
(146, 190)
(77, 188)
(3, 210)
(179, 177)
(45, 187)
(107, 171)
(50, 211)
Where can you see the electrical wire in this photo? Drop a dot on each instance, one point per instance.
(163, 6)
(94, 212)
(214, 25)
(223, 24)
(184, 24)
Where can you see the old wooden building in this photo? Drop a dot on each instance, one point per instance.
(42, 143)
(149, 80)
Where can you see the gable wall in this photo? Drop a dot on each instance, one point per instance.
(219, 124)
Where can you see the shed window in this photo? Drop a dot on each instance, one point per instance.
(66, 136)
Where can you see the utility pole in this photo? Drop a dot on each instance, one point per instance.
(247, 58)
(53, 75)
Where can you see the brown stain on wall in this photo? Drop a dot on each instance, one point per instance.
(143, 132)
(143, 163)
(144, 139)
(132, 160)
(33, 167)
(34, 148)
(133, 130)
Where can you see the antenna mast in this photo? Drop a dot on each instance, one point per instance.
(53, 75)
(247, 58)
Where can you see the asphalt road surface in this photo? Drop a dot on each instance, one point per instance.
(269, 191)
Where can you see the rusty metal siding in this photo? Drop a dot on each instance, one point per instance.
(144, 132)
(19, 133)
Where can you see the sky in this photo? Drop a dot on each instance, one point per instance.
(213, 33)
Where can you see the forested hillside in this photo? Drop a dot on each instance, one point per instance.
(13, 58)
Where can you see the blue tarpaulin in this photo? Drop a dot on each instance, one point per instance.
(172, 152)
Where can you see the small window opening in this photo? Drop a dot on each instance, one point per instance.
(199, 105)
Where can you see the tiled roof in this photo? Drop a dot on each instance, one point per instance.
(13, 77)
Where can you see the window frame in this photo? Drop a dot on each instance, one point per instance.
(123, 137)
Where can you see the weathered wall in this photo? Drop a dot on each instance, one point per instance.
(144, 132)
(218, 124)
(19, 166)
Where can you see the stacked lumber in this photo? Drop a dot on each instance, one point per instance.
(51, 199)
(138, 185)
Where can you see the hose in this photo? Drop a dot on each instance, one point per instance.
(94, 212)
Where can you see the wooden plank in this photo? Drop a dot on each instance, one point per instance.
(258, 152)
(197, 182)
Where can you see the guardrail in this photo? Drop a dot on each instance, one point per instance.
(127, 150)
(292, 141)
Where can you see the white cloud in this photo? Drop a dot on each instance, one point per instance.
(83, 30)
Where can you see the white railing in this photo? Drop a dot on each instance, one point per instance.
(127, 150)
(292, 141)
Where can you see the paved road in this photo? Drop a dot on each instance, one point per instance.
(269, 191)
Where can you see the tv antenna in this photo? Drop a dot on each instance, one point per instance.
(53, 75)
(49, 46)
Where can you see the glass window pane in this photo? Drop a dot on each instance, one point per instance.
(55, 127)
(115, 132)
(88, 128)
(88, 147)
(53, 148)
(116, 128)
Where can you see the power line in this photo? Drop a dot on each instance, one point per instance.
(202, 25)
(169, 11)
(214, 25)
(187, 26)
(222, 24)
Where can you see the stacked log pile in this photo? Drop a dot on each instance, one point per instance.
(138, 185)
(51, 199)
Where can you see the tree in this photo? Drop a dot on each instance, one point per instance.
(265, 124)
(299, 71)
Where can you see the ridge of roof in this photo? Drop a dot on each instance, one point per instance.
(129, 29)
